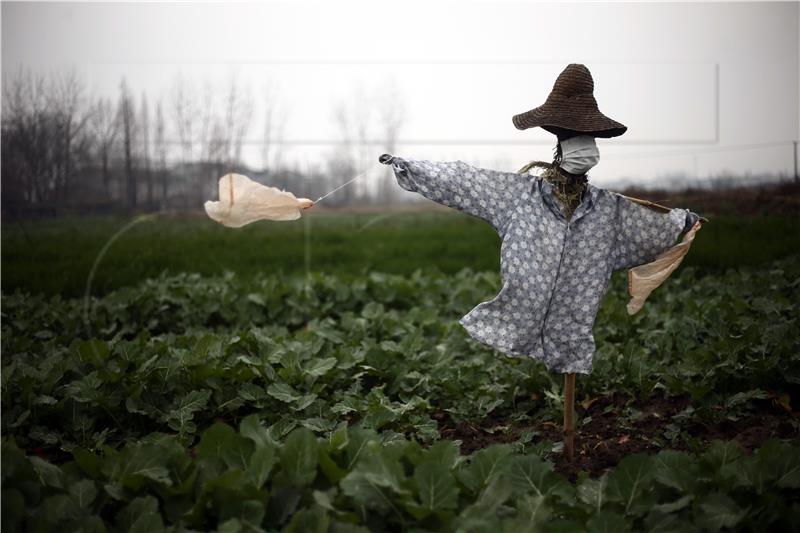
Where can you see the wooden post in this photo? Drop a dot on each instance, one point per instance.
(569, 407)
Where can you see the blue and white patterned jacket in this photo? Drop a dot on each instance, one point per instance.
(555, 272)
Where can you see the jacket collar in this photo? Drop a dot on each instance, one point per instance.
(588, 200)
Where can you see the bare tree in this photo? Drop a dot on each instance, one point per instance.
(238, 111)
(353, 120)
(144, 126)
(217, 145)
(207, 117)
(390, 111)
(223, 133)
(45, 140)
(342, 163)
(105, 128)
(27, 135)
(274, 124)
(183, 113)
(71, 116)
(242, 125)
(161, 150)
(126, 115)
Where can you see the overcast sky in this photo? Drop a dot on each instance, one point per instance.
(697, 84)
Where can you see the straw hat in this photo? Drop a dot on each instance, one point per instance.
(571, 106)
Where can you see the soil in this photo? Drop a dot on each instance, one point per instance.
(603, 442)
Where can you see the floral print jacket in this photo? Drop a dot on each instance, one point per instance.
(554, 271)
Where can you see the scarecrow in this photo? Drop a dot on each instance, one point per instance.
(562, 237)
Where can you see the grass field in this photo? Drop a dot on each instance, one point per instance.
(311, 376)
(56, 258)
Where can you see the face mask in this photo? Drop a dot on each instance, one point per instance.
(579, 154)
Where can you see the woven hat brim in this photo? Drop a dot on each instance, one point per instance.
(572, 115)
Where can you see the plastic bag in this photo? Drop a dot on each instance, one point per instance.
(242, 201)
(643, 279)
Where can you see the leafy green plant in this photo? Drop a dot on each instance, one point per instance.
(316, 403)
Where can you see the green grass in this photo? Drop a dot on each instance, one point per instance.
(56, 257)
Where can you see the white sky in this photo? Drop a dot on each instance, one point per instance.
(690, 80)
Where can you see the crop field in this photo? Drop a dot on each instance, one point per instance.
(311, 376)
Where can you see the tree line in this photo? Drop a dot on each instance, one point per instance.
(65, 150)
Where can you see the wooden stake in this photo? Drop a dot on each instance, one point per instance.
(569, 407)
(653, 205)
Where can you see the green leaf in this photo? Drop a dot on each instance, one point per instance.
(148, 523)
(529, 474)
(283, 392)
(50, 475)
(278, 431)
(304, 401)
(232, 525)
(221, 441)
(313, 520)
(378, 415)
(658, 522)
(282, 504)
(593, 491)
(54, 510)
(140, 462)
(298, 457)
(320, 367)
(249, 513)
(375, 478)
(676, 469)
(532, 511)
(332, 471)
(357, 443)
(629, 483)
(716, 511)
(250, 392)
(484, 465)
(779, 462)
(607, 522)
(208, 347)
(436, 487)
(495, 494)
(83, 493)
(446, 453)
(260, 464)
(183, 410)
(135, 510)
(318, 424)
(250, 427)
(348, 404)
(86, 389)
(677, 505)
(744, 397)
(339, 439)
(720, 454)
(368, 490)
(93, 351)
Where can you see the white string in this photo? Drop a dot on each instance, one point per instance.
(346, 183)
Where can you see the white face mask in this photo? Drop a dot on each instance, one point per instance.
(579, 154)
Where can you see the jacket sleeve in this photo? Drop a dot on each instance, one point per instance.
(642, 232)
(487, 194)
